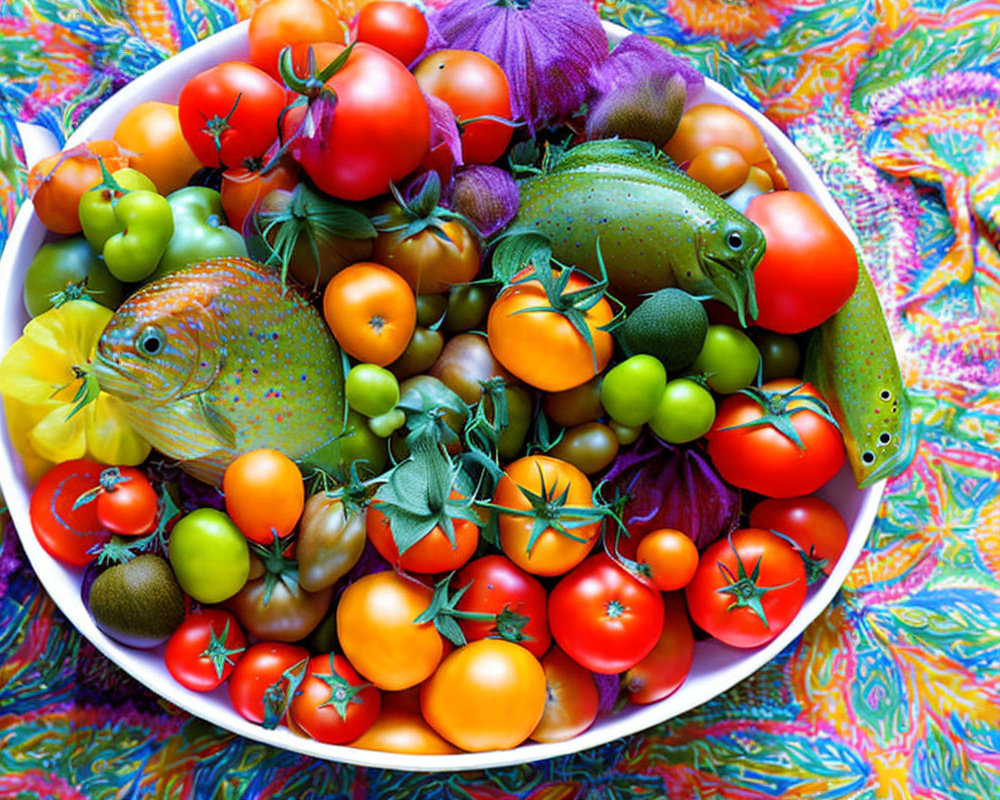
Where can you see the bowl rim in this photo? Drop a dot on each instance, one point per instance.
(139, 665)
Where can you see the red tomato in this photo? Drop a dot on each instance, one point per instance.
(203, 651)
(812, 523)
(763, 459)
(748, 588)
(670, 556)
(258, 686)
(605, 619)
(334, 704)
(433, 553)
(242, 188)
(398, 28)
(473, 85)
(229, 113)
(379, 131)
(571, 699)
(65, 533)
(499, 586)
(810, 267)
(127, 503)
(277, 24)
(662, 672)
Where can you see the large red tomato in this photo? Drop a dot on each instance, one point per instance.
(379, 130)
(748, 588)
(603, 617)
(810, 267)
(260, 684)
(65, 532)
(751, 452)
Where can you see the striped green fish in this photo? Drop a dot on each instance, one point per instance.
(216, 360)
(851, 360)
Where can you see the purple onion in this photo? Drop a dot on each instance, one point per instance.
(487, 196)
(608, 687)
(639, 92)
(673, 487)
(546, 48)
(445, 152)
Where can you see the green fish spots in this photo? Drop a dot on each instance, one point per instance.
(851, 361)
(216, 360)
(656, 226)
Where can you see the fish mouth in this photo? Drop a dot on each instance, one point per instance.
(113, 378)
(733, 284)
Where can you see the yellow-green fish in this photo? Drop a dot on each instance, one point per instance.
(851, 360)
(219, 359)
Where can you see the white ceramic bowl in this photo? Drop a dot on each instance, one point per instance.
(716, 666)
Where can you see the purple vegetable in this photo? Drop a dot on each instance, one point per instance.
(608, 687)
(486, 195)
(673, 487)
(545, 47)
(445, 152)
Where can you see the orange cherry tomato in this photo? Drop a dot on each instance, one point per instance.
(264, 494)
(720, 167)
(709, 124)
(371, 311)
(571, 701)
(399, 730)
(671, 557)
(277, 24)
(152, 131)
(57, 182)
(553, 552)
(377, 632)
(542, 348)
(487, 695)
(242, 188)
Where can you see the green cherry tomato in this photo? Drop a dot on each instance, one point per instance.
(430, 308)
(728, 359)
(631, 391)
(420, 354)
(384, 425)
(371, 390)
(467, 307)
(200, 230)
(209, 555)
(626, 434)
(589, 447)
(147, 223)
(59, 265)
(779, 355)
(519, 416)
(97, 206)
(685, 413)
(359, 444)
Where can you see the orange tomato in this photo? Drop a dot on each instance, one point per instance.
(399, 730)
(57, 183)
(433, 553)
(571, 702)
(553, 552)
(378, 635)
(487, 695)
(542, 348)
(720, 167)
(152, 132)
(371, 311)
(671, 557)
(242, 188)
(264, 493)
(277, 24)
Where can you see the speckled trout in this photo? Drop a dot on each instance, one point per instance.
(218, 359)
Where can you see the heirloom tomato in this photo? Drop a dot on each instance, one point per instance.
(748, 588)
(604, 618)
(67, 533)
(750, 450)
(487, 695)
(571, 699)
(541, 489)
(333, 704)
(379, 130)
(209, 555)
(203, 651)
(244, 188)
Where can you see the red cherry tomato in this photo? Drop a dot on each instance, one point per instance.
(812, 523)
(204, 650)
(334, 704)
(264, 666)
(127, 503)
(398, 28)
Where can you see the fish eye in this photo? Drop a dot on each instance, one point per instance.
(884, 438)
(868, 458)
(885, 394)
(735, 240)
(150, 341)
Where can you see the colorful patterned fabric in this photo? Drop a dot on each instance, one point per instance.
(893, 692)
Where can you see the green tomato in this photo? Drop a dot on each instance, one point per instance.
(200, 230)
(59, 265)
(626, 434)
(589, 447)
(97, 206)
(420, 354)
(430, 308)
(209, 555)
(384, 425)
(630, 391)
(729, 359)
(686, 412)
(360, 445)
(467, 307)
(147, 224)
(779, 355)
(371, 390)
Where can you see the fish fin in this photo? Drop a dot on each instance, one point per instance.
(179, 431)
(223, 429)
